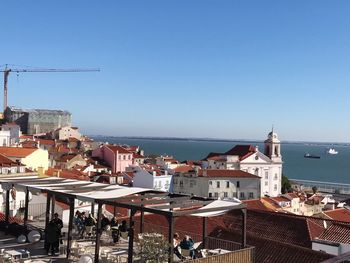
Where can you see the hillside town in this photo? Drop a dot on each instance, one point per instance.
(298, 225)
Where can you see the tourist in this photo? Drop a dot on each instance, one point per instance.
(59, 225)
(52, 237)
(90, 221)
(114, 222)
(176, 241)
(123, 227)
(115, 229)
(187, 243)
(105, 222)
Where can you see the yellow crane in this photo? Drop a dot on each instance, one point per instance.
(8, 70)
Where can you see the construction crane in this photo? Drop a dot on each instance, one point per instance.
(8, 70)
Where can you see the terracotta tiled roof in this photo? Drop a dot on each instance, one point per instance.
(257, 204)
(4, 161)
(340, 214)
(116, 148)
(17, 151)
(138, 156)
(280, 199)
(46, 141)
(226, 173)
(183, 169)
(267, 250)
(65, 158)
(337, 232)
(243, 151)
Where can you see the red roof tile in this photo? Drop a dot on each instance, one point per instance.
(243, 151)
(17, 151)
(340, 214)
(116, 148)
(337, 232)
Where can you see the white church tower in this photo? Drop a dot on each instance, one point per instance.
(273, 147)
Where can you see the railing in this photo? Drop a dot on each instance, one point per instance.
(236, 254)
(327, 187)
(240, 256)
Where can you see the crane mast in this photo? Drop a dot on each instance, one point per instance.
(18, 70)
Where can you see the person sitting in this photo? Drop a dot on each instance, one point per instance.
(123, 230)
(187, 243)
(176, 241)
(114, 222)
(104, 222)
(90, 222)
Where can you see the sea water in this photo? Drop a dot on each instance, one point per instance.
(329, 168)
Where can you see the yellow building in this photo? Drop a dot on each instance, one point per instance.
(33, 158)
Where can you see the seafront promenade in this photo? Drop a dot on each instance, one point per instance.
(324, 187)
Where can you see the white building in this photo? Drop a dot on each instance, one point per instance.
(14, 131)
(5, 138)
(267, 165)
(218, 183)
(152, 179)
(67, 132)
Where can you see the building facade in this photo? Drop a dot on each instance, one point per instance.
(218, 183)
(267, 165)
(115, 156)
(152, 180)
(64, 133)
(36, 121)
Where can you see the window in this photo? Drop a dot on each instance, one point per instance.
(225, 194)
(129, 157)
(119, 157)
(227, 184)
(266, 183)
(266, 175)
(216, 195)
(237, 184)
(241, 195)
(275, 187)
(275, 177)
(181, 183)
(251, 195)
(210, 182)
(218, 184)
(210, 195)
(124, 157)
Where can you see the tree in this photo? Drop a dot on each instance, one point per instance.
(286, 186)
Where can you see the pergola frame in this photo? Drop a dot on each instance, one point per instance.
(140, 200)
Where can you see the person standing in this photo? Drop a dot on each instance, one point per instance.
(59, 225)
(51, 238)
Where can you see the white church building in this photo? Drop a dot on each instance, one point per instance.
(267, 165)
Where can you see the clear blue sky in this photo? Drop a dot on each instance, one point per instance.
(187, 68)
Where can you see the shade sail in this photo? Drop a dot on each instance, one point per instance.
(222, 206)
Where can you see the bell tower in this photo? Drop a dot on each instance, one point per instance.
(273, 147)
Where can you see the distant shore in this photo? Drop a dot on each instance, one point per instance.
(216, 140)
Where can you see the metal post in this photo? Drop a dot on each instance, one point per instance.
(47, 213)
(26, 205)
(244, 228)
(204, 231)
(114, 210)
(142, 216)
(7, 212)
(170, 238)
(70, 225)
(53, 201)
(98, 232)
(93, 208)
(131, 236)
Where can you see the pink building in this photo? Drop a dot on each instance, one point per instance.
(115, 156)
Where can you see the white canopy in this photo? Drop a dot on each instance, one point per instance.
(225, 205)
